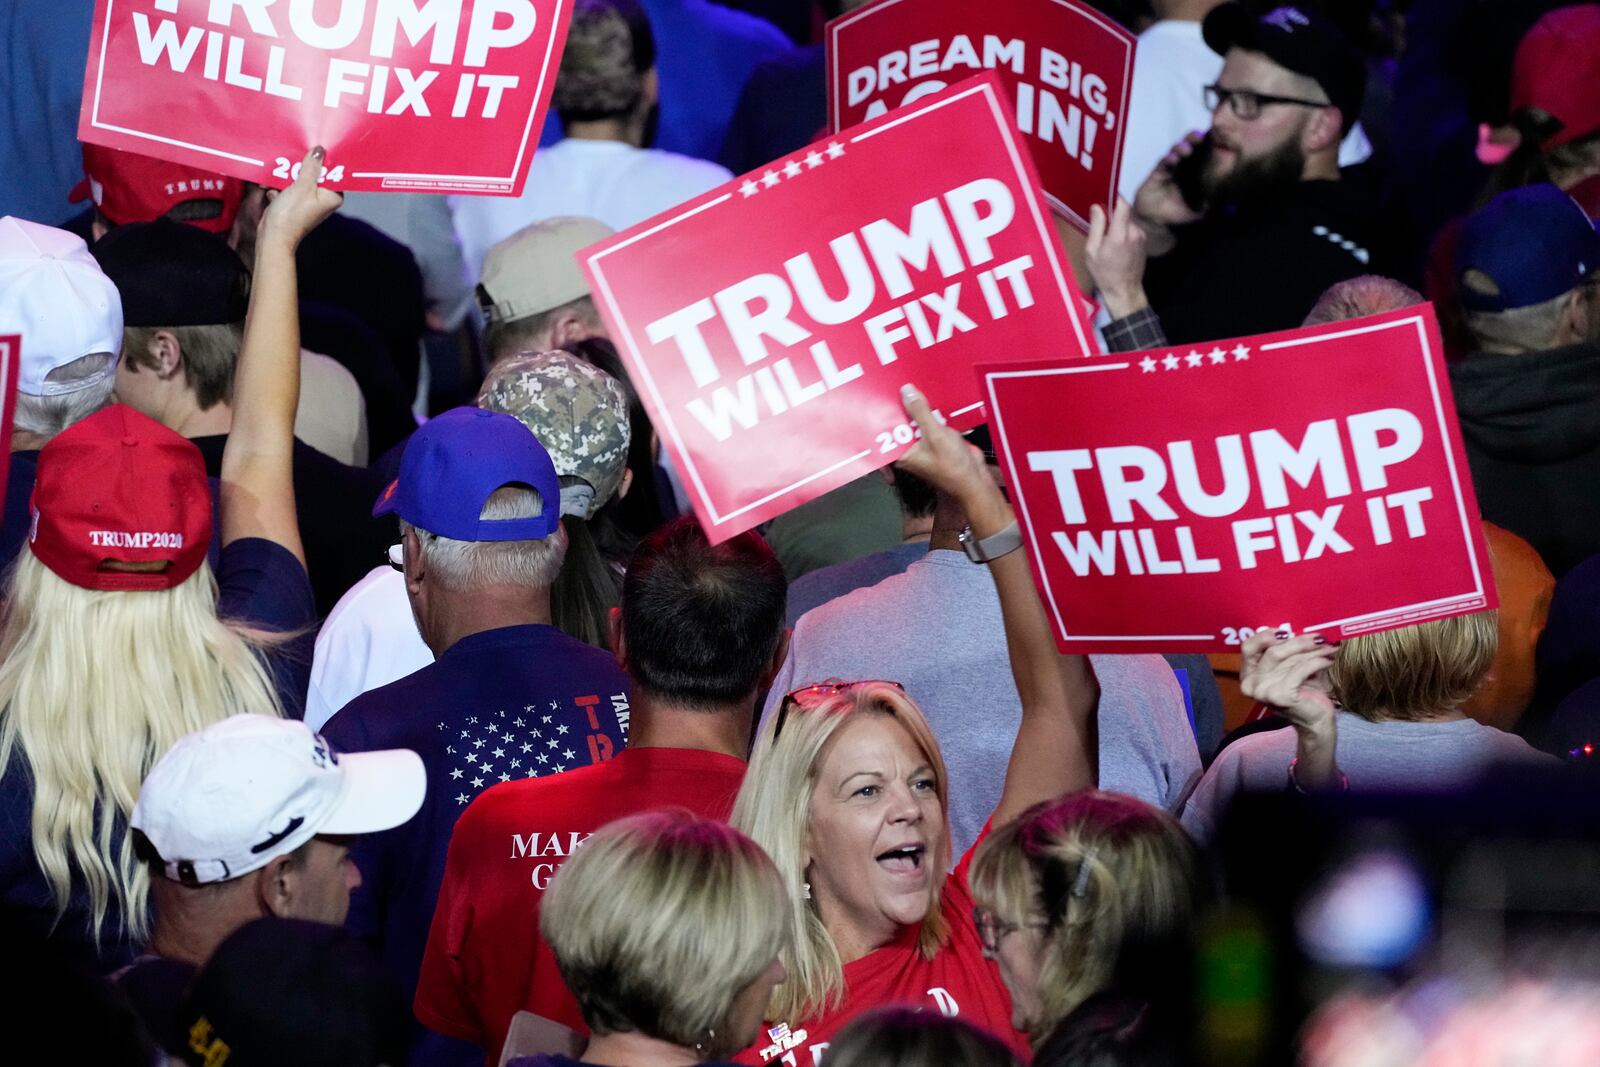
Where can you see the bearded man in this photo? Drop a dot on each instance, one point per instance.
(1248, 225)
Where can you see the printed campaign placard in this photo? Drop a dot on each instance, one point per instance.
(419, 95)
(770, 323)
(1067, 68)
(10, 365)
(1179, 500)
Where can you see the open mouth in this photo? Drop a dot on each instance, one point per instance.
(905, 860)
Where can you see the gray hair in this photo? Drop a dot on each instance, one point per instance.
(1523, 329)
(1353, 298)
(463, 566)
(49, 415)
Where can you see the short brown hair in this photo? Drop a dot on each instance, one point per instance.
(1418, 671)
(210, 355)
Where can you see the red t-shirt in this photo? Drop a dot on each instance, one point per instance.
(485, 960)
(957, 981)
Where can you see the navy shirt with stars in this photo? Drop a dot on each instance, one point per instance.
(517, 702)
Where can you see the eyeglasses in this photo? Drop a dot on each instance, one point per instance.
(991, 930)
(396, 556)
(1247, 104)
(813, 695)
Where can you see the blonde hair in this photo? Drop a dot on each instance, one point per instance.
(1417, 671)
(774, 807)
(95, 685)
(659, 921)
(1109, 875)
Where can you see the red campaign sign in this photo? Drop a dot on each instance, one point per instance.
(771, 322)
(10, 366)
(1067, 70)
(419, 95)
(1180, 499)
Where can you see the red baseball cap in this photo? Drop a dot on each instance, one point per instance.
(1557, 70)
(120, 487)
(128, 187)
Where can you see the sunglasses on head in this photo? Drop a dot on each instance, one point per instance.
(814, 695)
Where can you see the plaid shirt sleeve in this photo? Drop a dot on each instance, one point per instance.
(1135, 332)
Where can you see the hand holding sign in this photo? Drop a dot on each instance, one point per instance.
(302, 207)
(948, 462)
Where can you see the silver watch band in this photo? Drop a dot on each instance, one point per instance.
(992, 547)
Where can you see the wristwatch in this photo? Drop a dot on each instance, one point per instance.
(992, 547)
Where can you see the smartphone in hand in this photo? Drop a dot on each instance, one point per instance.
(1188, 174)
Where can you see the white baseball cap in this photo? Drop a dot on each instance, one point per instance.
(231, 798)
(55, 296)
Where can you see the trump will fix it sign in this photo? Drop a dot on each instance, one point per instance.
(435, 95)
(771, 322)
(1179, 499)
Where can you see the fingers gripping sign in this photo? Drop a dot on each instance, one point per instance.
(301, 208)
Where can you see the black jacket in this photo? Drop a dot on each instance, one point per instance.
(1531, 425)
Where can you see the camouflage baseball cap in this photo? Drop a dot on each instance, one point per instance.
(577, 411)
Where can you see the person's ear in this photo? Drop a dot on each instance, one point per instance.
(1576, 314)
(165, 355)
(626, 483)
(619, 648)
(779, 655)
(275, 887)
(568, 328)
(416, 564)
(1323, 130)
(649, 91)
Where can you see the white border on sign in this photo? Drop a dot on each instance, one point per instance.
(1045, 230)
(1088, 14)
(522, 148)
(1370, 620)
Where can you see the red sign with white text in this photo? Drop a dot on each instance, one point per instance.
(1179, 500)
(770, 323)
(1067, 70)
(10, 365)
(416, 95)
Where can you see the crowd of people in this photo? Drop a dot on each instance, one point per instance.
(369, 696)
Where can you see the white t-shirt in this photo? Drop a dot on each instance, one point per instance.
(1171, 69)
(369, 640)
(607, 180)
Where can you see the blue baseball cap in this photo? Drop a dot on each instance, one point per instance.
(1534, 243)
(455, 462)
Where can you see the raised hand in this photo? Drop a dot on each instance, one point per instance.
(1115, 256)
(299, 209)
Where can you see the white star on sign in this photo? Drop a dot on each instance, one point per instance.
(770, 178)
(526, 746)
(791, 169)
(543, 758)
(559, 768)
(1171, 362)
(473, 721)
(1218, 355)
(515, 764)
(531, 772)
(462, 798)
(517, 722)
(835, 150)
(499, 752)
(505, 778)
(561, 729)
(472, 757)
(554, 742)
(477, 783)
(456, 773)
(1241, 354)
(449, 750)
(1148, 364)
(478, 743)
(567, 754)
(1194, 359)
(487, 768)
(493, 729)
(749, 188)
(813, 160)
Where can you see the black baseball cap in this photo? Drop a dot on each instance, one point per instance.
(1300, 39)
(171, 274)
(289, 991)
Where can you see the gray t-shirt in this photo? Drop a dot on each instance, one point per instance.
(1375, 756)
(936, 629)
